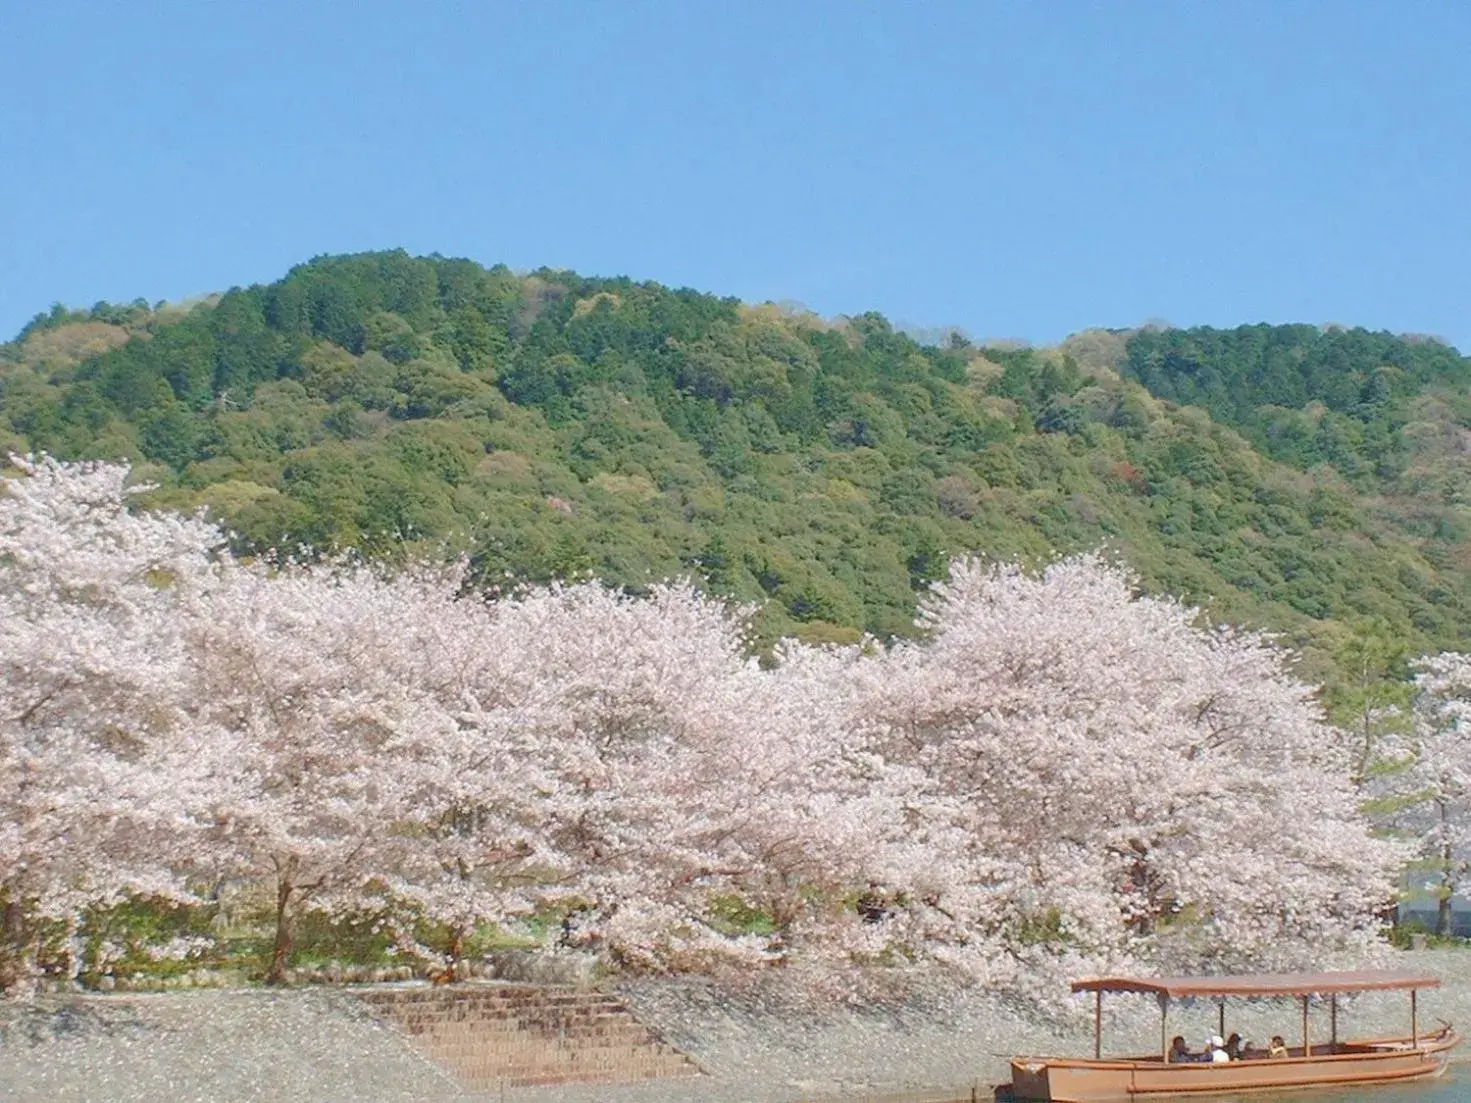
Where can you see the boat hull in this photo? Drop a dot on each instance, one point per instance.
(1386, 1061)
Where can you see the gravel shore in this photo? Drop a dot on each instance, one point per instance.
(756, 1047)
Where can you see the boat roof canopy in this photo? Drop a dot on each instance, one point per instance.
(1262, 984)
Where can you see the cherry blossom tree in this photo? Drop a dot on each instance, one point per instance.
(1106, 781)
(311, 681)
(1439, 780)
(619, 692)
(674, 779)
(813, 817)
(91, 761)
(472, 847)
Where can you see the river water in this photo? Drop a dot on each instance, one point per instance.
(1453, 1087)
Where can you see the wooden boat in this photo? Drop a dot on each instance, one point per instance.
(1309, 1063)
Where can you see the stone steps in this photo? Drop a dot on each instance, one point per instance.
(523, 1035)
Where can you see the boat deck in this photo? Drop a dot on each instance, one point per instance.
(1114, 1080)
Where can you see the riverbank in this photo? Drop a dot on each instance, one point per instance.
(759, 1044)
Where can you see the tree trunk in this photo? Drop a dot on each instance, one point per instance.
(281, 951)
(1447, 874)
(15, 964)
(455, 945)
(1390, 915)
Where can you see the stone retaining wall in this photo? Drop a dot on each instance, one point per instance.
(509, 1035)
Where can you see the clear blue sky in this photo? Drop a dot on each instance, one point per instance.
(1017, 170)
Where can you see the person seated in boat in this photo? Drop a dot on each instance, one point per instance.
(1233, 1046)
(1278, 1048)
(1215, 1047)
(1180, 1053)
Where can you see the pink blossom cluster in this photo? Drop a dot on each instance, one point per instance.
(1057, 774)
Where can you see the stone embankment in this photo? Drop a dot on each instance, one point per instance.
(643, 1042)
(514, 1036)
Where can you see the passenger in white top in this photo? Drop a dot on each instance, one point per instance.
(1217, 1047)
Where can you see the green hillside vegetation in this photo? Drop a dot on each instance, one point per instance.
(551, 425)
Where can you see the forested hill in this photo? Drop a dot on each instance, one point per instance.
(553, 425)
